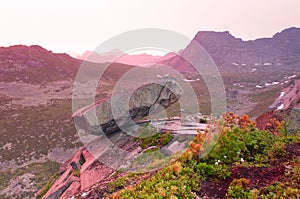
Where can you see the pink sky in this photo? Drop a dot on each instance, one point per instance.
(64, 26)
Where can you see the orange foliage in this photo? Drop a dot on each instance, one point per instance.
(242, 122)
(176, 167)
(273, 125)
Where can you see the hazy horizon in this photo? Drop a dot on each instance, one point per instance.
(74, 26)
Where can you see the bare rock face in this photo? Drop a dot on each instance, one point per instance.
(105, 118)
(85, 170)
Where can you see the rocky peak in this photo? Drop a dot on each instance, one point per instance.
(220, 38)
(290, 34)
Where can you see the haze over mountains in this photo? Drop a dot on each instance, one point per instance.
(223, 47)
(118, 56)
(36, 90)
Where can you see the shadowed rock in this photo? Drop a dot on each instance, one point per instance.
(102, 117)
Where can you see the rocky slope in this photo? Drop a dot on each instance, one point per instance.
(34, 64)
(230, 53)
(289, 96)
(255, 74)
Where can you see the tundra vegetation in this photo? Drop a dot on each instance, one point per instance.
(245, 162)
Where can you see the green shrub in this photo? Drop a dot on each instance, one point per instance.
(278, 191)
(238, 189)
(230, 148)
(117, 184)
(257, 142)
(166, 138)
(277, 150)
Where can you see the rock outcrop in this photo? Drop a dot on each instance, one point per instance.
(86, 168)
(101, 117)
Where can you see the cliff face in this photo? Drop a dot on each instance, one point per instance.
(283, 47)
(226, 50)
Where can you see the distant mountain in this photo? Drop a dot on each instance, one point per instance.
(118, 56)
(34, 64)
(226, 50)
(99, 58)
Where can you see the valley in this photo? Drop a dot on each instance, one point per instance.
(37, 131)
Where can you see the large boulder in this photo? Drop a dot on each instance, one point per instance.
(102, 117)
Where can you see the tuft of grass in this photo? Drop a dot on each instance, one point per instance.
(46, 187)
(76, 172)
(148, 136)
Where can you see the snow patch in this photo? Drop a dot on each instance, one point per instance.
(162, 76)
(254, 69)
(267, 84)
(291, 77)
(281, 94)
(271, 84)
(189, 80)
(258, 86)
(267, 64)
(236, 64)
(280, 107)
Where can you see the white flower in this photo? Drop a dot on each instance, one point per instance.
(225, 156)
(216, 163)
(242, 160)
(219, 161)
